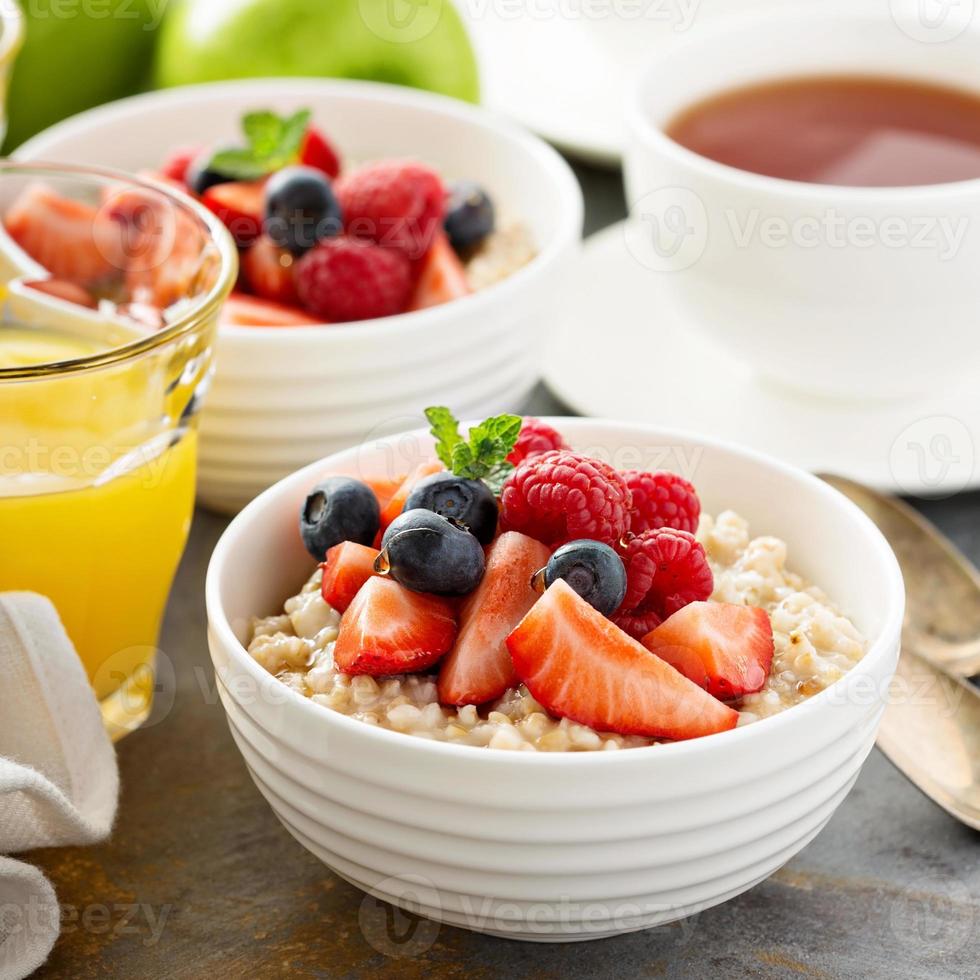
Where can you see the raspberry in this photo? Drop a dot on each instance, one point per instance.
(561, 496)
(536, 437)
(343, 279)
(666, 569)
(395, 203)
(662, 500)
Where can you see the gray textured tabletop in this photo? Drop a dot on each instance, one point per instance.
(200, 879)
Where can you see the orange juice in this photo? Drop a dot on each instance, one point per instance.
(105, 555)
(96, 498)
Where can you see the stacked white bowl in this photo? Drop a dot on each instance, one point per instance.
(283, 397)
(562, 846)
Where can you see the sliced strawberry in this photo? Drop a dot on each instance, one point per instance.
(68, 237)
(240, 206)
(165, 252)
(479, 668)
(317, 151)
(268, 270)
(67, 291)
(581, 666)
(389, 630)
(250, 311)
(397, 503)
(441, 276)
(347, 567)
(384, 488)
(723, 648)
(178, 161)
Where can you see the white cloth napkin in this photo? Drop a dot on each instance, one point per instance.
(59, 782)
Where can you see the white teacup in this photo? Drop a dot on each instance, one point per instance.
(843, 291)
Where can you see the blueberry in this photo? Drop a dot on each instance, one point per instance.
(300, 209)
(428, 553)
(468, 502)
(200, 176)
(338, 509)
(593, 570)
(469, 215)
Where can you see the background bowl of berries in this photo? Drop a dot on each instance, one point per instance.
(539, 679)
(397, 249)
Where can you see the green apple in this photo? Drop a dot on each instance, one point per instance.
(421, 43)
(77, 54)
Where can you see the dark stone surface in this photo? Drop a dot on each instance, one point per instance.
(200, 880)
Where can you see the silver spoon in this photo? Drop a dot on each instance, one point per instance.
(931, 728)
(942, 619)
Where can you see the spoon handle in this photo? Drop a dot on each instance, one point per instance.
(931, 733)
(942, 622)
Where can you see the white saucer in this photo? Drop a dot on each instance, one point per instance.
(621, 352)
(564, 68)
(565, 79)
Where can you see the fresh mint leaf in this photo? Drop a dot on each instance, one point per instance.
(294, 132)
(238, 165)
(483, 455)
(274, 142)
(494, 438)
(445, 430)
(462, 460)
(497, 476)
(506, 429)
(264, 131)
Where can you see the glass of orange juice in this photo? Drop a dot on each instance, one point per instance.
(110, 289)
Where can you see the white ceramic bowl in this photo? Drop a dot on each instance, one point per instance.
(283, 397)
(555, 847)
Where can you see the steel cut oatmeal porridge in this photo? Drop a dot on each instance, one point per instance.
(815, 645)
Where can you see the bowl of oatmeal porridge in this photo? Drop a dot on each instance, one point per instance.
(283, 395)
(506, 819)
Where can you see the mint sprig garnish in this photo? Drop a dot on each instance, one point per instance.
(274, 142)
(483, 454)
